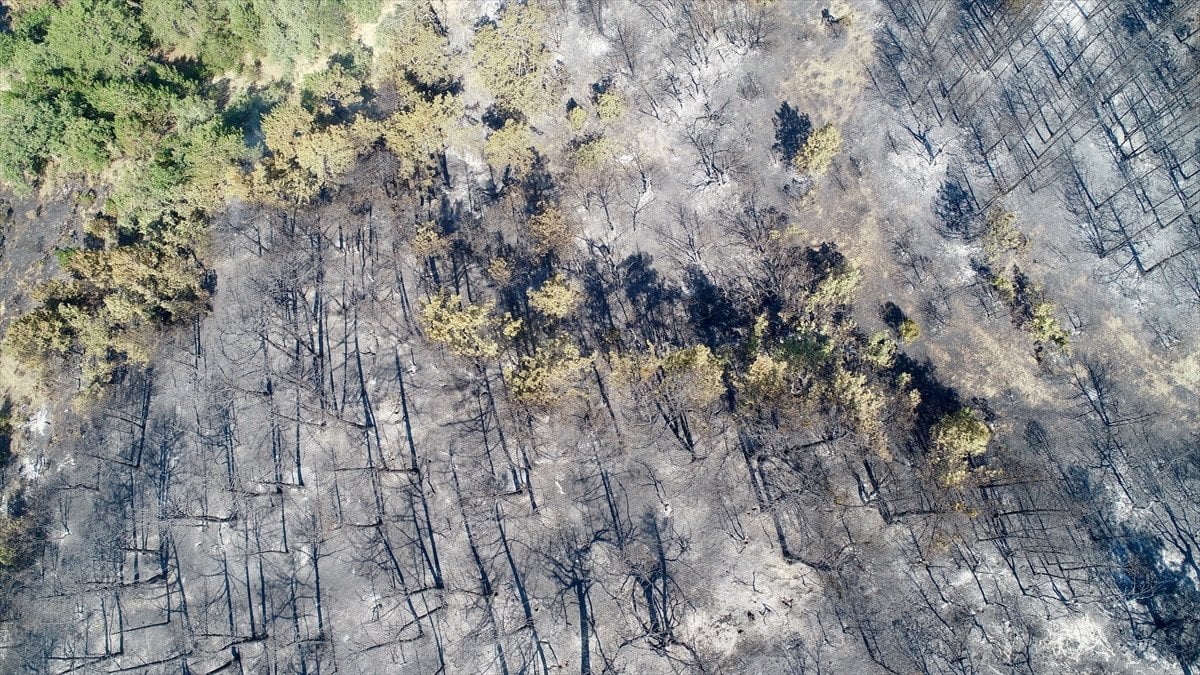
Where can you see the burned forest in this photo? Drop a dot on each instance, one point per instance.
(599, 336)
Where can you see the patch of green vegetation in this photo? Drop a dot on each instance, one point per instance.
(414, 51)
(593, 152)
(465, 329)
(1026, 300)
(1006, 288)
(121, 95)
(1001, 234)
(509, 149)
(836, 282)
(1046, 328)
(881, 350)
(609, 106)
(109, 309)
(17, 543)
(956, 439)
(576, 117)
(512, 60)
(818, 151)
(544, 377)
(555, 298)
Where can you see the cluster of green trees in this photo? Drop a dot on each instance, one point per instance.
(91, 82)
(90, 93)
(85, 89)
(1003, 245)
(129, 96)
(151, 103)
(804, 361)
(167, 107)
(811, 360)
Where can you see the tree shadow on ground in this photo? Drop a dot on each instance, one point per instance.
(892, 315)
(1170, 596)
(955, 207)
(937, 399)
(651, 297)
(712, 312)
(791, 131)
(539, 186)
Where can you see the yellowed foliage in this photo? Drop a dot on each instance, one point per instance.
(414, 44)
(548, 374)
(1046, 328)
(510, 148)
(909, 331)
(694, 371)
(818, 151)
(511, 58)
(551, 233)
(304, 157)
(956, 439)
(765, 378)
(465, 329)
(864, 406)
(429, 243)
(837, 288)
(1002, 235)
(880, 350)
(499, 270)
(577, 118)
(555, 298)
(594, 153)
(416, 135)
(693, 374)
(609, 106)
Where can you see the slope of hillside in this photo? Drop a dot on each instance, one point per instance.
(647, 336)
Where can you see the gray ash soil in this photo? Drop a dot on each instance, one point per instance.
(302, 481)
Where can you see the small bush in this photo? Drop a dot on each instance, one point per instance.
(609, 106)
(577, 118)
(1046, 328)
(818, 151)
(594, 152)
(765, 378)
(881, 350)
(696, 372)
(510, 148)
(429, 243)
(545, 376)
(1006, 288)
(836, 287)
(1002, 234)
(956, 439)
(500, 270)
(551, 233)
(64, 256)
(909, 331)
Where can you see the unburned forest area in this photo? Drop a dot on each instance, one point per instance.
(640, 336)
